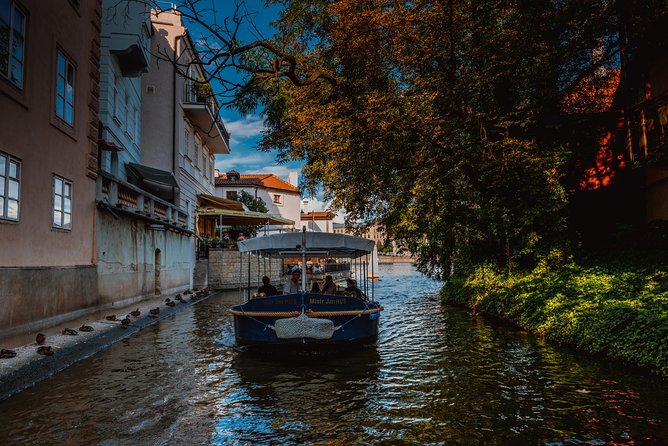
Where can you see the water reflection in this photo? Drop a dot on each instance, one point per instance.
(435, 377)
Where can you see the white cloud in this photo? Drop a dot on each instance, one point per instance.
(228, 162)
(251, 126)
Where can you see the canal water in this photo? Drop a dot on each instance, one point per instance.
(435, 377)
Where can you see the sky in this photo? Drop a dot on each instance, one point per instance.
(246, 130)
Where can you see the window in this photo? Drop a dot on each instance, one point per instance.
(65, 89)
(10, 177)
(231, 195)
(205, 166)
(187, 142)
(132, 123)
(62, 203)
(198, 145)
(12, 42)
(116, 96)
(278, 199)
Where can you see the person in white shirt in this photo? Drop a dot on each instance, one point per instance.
(293, 286)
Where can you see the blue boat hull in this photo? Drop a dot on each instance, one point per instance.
(257, 329)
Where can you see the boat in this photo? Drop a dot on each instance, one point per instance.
(304, 318)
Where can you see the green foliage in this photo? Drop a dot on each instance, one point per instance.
(603, 307)
(253, 204)
(443, 123)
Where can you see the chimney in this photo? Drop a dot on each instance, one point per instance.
(216, 173)
(293, 179)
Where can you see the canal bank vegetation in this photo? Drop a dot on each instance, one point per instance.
(613, 304)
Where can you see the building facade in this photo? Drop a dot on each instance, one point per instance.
(183, 130)
(281, 197)
(143, 236)
(49, 86)
(317, 221)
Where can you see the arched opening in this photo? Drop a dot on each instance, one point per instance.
(158, 288)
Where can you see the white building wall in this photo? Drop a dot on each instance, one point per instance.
(318, 225)
(288, 209)
(120, 97)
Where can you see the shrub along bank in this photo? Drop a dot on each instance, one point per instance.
(603, 307)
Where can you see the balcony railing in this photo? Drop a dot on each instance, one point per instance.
(203, 109)
(122, 197)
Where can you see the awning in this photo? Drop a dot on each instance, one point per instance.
(158, 182)
(233, 213)
(322, 244)
(219, 203)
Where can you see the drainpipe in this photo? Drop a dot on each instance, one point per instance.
(174, 123)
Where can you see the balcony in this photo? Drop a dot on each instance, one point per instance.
(203, 111)
(120, 197)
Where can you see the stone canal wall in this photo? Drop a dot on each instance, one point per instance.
(228, 269)
(33, 298)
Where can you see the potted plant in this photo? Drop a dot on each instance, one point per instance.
(202, 90)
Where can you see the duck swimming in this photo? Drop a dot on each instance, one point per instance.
(86, 328)
(111, 318)
(40, 338)
(154, 310)
(70, 332)
(135, 313)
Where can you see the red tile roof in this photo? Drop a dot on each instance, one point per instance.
(265, 180)
(317, 216)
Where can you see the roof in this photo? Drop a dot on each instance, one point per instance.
(232, 213)
(292, 244)
(265, 180)
(318, 216)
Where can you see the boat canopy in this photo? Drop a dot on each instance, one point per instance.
(312, 244)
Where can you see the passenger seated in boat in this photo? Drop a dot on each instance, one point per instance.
(267, 288)
(315, 288)
(329, 287)
(352, 289)
(292, 287)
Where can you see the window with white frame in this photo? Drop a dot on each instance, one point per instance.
(116, 95)
(132, 116)
(126, 110)
(10, 179)
(278, 199)
(137, 125)
(62, 203)
(12, 42)
(187, 142)
(65, 78)
(198, 147)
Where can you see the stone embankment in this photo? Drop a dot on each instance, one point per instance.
(28, 366)
(395, 259)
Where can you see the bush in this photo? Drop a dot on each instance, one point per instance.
(604, 306)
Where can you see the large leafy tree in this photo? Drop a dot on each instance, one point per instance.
(440, 119)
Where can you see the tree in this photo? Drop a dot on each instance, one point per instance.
(254, 204)
(442, 120)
